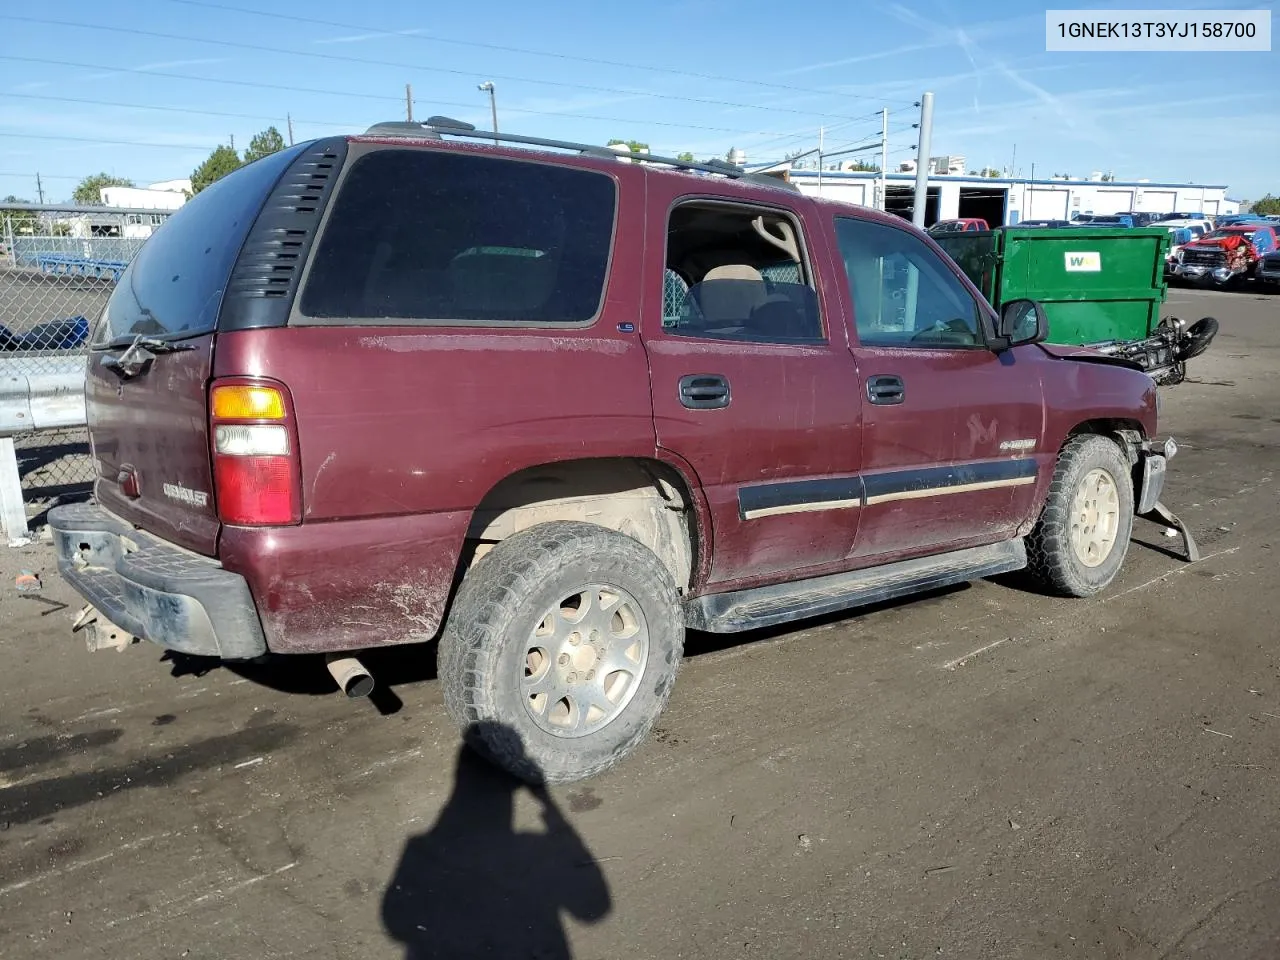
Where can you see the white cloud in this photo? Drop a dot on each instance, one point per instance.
(148, 67)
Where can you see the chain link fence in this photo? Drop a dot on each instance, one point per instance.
(58, 267)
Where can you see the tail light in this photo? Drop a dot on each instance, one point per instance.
(256, 473)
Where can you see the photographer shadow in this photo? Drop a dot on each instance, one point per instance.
(472, 886)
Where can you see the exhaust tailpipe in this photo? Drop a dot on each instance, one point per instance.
(350, 675)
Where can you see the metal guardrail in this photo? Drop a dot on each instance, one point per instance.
(61, 263)
(36, 395)
(58, 267)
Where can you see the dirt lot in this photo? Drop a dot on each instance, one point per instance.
(985, 773)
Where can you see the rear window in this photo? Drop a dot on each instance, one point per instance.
(429, 236)
(173, 288)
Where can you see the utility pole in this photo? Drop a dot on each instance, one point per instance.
(821, 134)
(233, 142)
(884, 160)
(39, 187)
(491, 90)
(1013, 164)
(288, 119)
(408, 102)
(922, 159)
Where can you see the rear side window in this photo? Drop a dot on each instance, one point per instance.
(173, 288)
(429, 236)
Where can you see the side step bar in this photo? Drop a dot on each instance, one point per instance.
(784, 602)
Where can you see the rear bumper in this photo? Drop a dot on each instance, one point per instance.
(154, 590)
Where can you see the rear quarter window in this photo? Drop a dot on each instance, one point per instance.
(173, 288)
(427, 236)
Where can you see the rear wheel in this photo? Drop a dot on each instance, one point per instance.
(1081, 539)
(561, 650)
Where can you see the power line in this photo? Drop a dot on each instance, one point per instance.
(353, 123)
(365, 61)
(179, 76)
(596, 61)
(99, 141)
(146, 106)
(47, 176)
(808, 132)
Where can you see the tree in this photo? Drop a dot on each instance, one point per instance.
(635, 146)
(218, 164)
(687, 157)
(1108, 177)
(1267, 206)
(17, 221)
(863, 166)
(264, 144)
(989, 172)
(87, 193)
(1062, 176)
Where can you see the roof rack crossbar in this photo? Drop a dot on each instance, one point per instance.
(437, 127)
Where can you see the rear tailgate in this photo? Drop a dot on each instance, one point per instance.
(150, 437)
(148, 417)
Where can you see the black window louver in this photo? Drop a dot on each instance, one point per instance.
(266, 275)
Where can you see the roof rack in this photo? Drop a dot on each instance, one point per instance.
(437, 128)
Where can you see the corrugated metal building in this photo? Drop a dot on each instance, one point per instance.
(1000, 201)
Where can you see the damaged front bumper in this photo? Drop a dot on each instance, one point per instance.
(1164, 354)
(1153, 464)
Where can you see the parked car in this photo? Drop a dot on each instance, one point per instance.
(1178, 238)
(1141, 218)
(1184, 216)
(1227, 255)
(1103, 220)
(1042, 224)
(448, 404)
(1269, 269)
(1198, 227)
(963, 225)
(1239, 218)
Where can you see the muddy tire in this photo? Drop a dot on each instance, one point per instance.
(561, 650)
(1081, 539)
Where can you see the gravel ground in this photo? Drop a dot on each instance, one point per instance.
(981, 773)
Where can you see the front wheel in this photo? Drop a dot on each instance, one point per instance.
(1081, 539)
(561, 650)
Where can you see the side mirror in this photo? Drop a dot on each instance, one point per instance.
(1021, 321)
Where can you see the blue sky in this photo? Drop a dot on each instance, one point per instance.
(76, 99)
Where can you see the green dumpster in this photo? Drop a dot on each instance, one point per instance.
(1095, 284)
(1101, 287)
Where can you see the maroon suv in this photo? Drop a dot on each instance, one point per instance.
(555, 409)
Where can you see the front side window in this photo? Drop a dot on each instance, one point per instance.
(433, 236)
(738, 273)
(903, 293)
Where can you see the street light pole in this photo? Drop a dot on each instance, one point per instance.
(487, 87)
(922, 160)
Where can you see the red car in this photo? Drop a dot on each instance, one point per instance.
(422, 386)
(1226, 256)
(962, 225)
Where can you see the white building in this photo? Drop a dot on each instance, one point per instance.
(165, 195)
(1002, 200)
